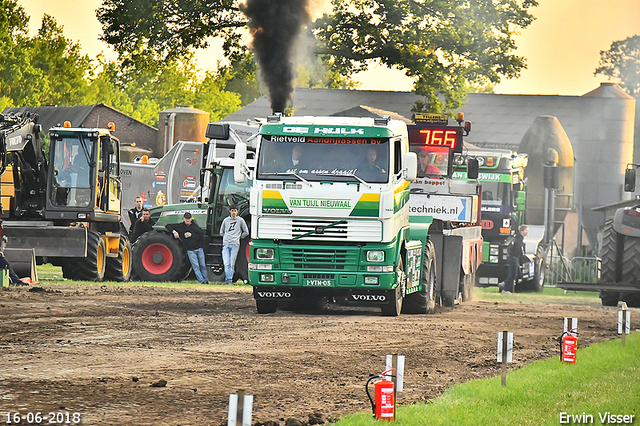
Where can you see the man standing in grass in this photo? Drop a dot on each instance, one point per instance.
(233, 229)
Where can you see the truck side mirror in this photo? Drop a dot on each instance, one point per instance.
(411, 166)
(217, 131)
(629, 180)
(473, 168)
(239, 160)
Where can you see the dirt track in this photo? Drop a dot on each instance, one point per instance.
(96, 351)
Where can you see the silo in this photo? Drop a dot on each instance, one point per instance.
(546, 133)
(184, 122)
(607, 116)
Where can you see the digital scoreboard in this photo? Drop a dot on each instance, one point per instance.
(424, 134)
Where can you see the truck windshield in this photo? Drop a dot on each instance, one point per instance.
(495, 193)
(71, 172)
(322, 159)
(432, 160)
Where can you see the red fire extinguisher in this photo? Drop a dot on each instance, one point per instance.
(568, 347)
(384, 391)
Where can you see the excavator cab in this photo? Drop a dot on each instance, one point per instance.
(84, 183)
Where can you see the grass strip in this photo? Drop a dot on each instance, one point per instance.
(605, 379)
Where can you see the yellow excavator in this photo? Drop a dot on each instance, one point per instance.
(63, 208)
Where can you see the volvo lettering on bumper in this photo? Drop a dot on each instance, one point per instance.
(369, 297)
(273, 295)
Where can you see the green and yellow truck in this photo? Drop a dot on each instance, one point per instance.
(331, 220)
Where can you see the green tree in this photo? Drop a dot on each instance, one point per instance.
(16, 72)
(446, 46)
(167, 28)
(143, 93)
(622, 62)
(210, 96)
(47, 69)
(64, 69)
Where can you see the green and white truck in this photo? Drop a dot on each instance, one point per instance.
(330, 219)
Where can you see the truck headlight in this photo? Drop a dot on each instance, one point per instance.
(371, 280)
(267, 278)
(264, 253)
(375, 256)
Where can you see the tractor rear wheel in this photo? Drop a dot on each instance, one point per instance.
(92, 267)
(157, 256)
(119, 268)
(624, 268)
(609, 260)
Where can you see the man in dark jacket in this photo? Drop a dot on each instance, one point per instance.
(141, 226)
(192, 238)
(135, 213)
(515, 253)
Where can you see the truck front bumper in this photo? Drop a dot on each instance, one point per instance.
(323, 280)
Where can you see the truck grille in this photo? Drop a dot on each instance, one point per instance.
(319, 258)
(350, 230)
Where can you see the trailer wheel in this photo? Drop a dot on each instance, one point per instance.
(536, 284)
(266, 306)
(119, 268)
(242, 261)
(424, 301)
(92, 267)
(467, 286)
(216, 275)
(393, 308)
(157, 256)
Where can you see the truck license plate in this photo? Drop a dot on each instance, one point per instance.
(318, 282)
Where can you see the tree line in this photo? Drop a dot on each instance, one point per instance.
(449, 48)
(49, 69)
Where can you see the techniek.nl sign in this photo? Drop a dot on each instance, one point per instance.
(442, 207)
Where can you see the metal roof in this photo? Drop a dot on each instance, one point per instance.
(326, 102)
(51, 116)
(499, 121)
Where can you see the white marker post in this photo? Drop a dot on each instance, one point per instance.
(505, 352)
(240, 408)
(624, 322)
(396, 362)
(574, 326)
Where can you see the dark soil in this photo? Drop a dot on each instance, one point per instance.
(104, 352)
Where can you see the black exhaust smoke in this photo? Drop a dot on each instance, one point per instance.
(275, 26)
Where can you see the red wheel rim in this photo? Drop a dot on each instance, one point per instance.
(163, 259)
